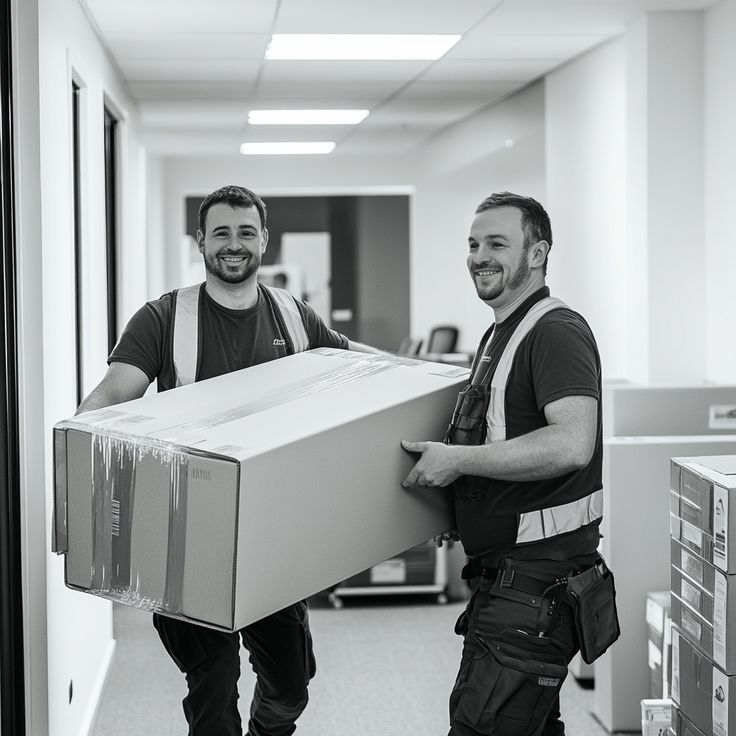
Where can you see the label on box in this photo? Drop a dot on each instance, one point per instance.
(691, 625)
(675, 689)
(655, 615)
(655, 656)
(390, 571)
(692, 565)
(719, 620)
(691, 594)
(720, 527)
(692, 534)
(720, 703)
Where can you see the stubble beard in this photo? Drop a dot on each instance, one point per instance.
(213, 265)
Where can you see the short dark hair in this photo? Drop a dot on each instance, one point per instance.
(234, 196)
(535, 222)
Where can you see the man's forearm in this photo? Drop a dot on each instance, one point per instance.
(98, 399)
(544, 453)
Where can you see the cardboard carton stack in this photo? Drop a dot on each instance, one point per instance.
(226, 500)
(703, 577)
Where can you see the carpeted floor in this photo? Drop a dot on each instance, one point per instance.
(385, 668)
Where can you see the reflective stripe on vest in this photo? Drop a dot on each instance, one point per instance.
(186, 329)
(549, 522)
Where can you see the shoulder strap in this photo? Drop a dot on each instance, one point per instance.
(291, 316)
(185, 350)
(496, 415)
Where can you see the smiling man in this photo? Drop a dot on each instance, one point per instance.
(523, 456)
(228, 323)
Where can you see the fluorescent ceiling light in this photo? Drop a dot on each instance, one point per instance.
(250, 149)
(306, 117)
(359, 46)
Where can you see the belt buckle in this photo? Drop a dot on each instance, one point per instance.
(507, 578)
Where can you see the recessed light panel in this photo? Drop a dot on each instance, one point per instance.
(287, 147)
(360, 46)
(306, 117)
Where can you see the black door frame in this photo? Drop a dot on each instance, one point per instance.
(12, 680)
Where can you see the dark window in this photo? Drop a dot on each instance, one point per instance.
(12, 694)
(111, 222)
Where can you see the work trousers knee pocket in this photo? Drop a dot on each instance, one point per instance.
(511, 685)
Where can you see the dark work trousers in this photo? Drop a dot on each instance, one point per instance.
(280, 648)
(510, 676)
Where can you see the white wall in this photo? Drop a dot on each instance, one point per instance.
(80, 640)
(720, 190)
(670, 60)
(499, 148)
(586, 172)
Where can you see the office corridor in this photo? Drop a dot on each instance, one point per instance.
(384, 669)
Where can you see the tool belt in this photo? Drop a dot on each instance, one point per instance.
(591, 594)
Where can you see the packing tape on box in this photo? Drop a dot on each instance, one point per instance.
(364, 365)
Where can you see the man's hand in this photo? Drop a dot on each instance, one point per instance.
(451, 535)
(435, 467)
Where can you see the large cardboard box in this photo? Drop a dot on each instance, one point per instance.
(703, 604)
(703, 500)
(226, 500)
(702, 691)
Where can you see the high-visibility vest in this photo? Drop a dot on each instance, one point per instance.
(542, 523)
(186, 328)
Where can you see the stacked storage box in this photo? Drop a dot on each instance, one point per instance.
(703, 576)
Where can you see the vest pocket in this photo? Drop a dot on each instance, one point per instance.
(509, 691)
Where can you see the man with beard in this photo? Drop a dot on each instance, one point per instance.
(523, 455)
(227, 323)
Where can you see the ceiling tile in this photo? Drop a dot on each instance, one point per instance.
(312, 89)
(146, 45)
(259, 133)
(355, 71)
(433, 113)
(472, 90)
(192, 16)
(194, 114)
(380, 16)
(191, 90)
(477, 45)
(521, 70)
(189, 69)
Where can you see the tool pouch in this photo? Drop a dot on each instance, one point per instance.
(592, 595)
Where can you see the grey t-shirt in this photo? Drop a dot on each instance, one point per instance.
(230, 339)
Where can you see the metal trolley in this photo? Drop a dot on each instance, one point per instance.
(421, 569)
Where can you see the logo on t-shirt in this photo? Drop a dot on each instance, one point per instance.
(277, 341)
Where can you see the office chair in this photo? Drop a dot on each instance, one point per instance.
(442, 339)
(410, 346)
